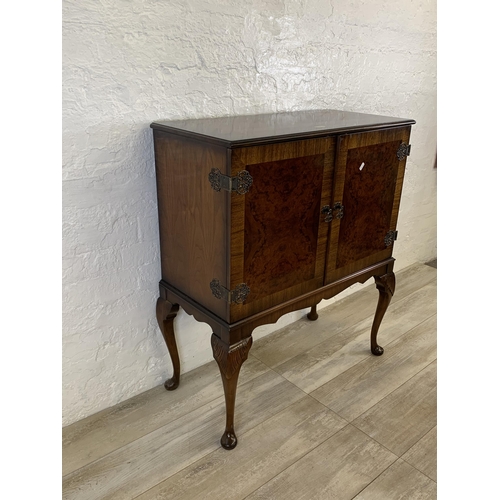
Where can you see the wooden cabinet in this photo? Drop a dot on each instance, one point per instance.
(262, 215)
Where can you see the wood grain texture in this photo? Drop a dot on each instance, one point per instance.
(230, 358)
(357, 389)
(245, 327)
(233, 333)
(368, 207)
(403, 417)
(274, 240)
(336, 470)
(315, 368)
(282, 218)
(278, 239)
(422, 455)
(371, 197)
(96, 436)
(302, 335)
(192, 217)
(400, 482)
(289, 435)
(140, 465)
(159, 440)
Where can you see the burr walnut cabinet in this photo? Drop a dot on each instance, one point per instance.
(263, 215)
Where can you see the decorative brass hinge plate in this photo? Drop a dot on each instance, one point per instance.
(238, 295)
(241, 183)
(403, 151)
(390, 238)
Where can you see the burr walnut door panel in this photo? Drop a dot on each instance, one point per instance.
(368, 182)
(278, 234)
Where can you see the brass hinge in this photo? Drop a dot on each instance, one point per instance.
(238, 295)
(241, 183)
(390, 238)
(403, 151)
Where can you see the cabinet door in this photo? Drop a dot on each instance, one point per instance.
(278, 234)
(368, 182)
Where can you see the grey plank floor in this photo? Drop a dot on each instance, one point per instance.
(317, 416)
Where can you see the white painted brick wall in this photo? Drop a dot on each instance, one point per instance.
(130, 62)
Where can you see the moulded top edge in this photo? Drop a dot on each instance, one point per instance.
(248, 129)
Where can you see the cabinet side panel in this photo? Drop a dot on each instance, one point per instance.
(192, 218)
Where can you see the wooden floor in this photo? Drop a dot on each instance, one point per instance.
(317, 416)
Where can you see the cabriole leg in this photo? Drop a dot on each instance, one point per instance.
(230, 359)
(386, 285)
(165, 314)
(313, 314)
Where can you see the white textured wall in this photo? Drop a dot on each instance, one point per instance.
(130, 62)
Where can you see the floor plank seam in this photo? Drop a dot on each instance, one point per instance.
(368, 357)
(154, 430)
(386, 396)
(353, 327)
(411, 329)
(399, 324)
(300, 458)
(416, 468)
(248, 430)
(373, 439)
(307, 394)
(375, 478)
(325, 310)
(378, 442)
(368, 409)
(215, 450)
(430, 430)
(394, 300)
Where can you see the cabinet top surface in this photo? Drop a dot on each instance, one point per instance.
(243, 129)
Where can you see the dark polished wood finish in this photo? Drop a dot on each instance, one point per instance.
(386, 285)
(230, 358)
(230, 131)
(192, 217)
(368, 182)
(281, 240)
(367, 214)
(278, 239)
(325, 192)
(165, 314)
(234, 332)
(313, 313)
